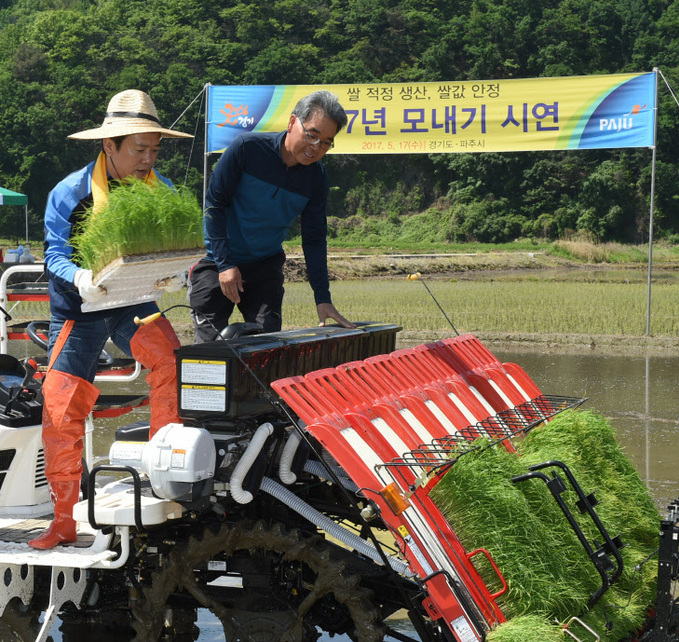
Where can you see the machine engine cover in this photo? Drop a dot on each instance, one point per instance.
(176, 457)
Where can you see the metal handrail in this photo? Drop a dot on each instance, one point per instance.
(15, 269)
(4, 341)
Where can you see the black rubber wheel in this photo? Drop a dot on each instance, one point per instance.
(307, 590)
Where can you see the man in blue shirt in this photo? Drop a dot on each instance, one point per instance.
(261, 184)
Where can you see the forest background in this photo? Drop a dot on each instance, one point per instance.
(61, 61)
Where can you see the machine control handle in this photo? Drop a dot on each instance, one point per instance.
(489, 557)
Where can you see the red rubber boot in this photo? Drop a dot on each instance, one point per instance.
(68, 401)
(64, 496)
(153, 345)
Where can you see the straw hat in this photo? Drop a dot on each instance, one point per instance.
(129, 112)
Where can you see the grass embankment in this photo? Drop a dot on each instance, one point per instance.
(578, 248)
(573, 294)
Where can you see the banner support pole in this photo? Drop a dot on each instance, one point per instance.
(207, 111)
(652, 207)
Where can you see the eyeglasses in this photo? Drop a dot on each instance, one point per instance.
(315, 140)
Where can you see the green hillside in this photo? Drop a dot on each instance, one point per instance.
(61, 60)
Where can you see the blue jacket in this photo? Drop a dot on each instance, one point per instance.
(66, 206)
(252, 200)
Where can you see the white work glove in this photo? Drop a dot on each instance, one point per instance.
(89, 292)
(171, 283)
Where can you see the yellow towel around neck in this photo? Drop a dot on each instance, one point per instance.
(100, 183)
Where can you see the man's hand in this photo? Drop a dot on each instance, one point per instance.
(231, 282)
(328, 311)
(88, 292)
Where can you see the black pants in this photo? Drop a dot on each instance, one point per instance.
(260, 302)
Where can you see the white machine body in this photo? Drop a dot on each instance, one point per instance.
(23, 486)
(174, 459)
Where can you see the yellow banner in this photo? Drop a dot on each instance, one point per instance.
(579, 112)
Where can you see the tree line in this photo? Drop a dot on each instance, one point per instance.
(61, 61)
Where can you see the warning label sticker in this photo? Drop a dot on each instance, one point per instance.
(208, 398)
(202, 371)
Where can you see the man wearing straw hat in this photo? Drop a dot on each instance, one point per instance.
(261, 184)
(130, 138)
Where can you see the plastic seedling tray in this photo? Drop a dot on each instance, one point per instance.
(129, 280)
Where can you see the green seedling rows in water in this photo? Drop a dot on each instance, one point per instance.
(548, 571)
(497, 306)
(139, 219)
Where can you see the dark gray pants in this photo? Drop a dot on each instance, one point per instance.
(260, 302)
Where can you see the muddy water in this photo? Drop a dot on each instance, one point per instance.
(637, 394)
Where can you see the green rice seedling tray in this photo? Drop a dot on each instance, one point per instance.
(549, 574)
(144, 235)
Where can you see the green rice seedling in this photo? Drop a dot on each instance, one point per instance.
(487, 511)
(587, 442)
(549, 574)
(498, 307)
(526, 627)
(139, 219)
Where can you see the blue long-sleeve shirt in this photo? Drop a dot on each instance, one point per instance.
(66, 206)
(253, 198)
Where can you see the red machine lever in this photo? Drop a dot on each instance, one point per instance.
(489, 557)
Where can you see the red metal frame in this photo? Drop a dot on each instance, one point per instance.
(399, 418)
(361, 449)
